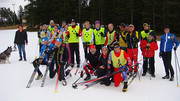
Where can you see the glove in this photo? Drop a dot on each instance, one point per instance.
(46, 52)
(81, 75)
(36, 63)
(160, 54)
(175, 48)
(102, 34)
(91, 71)
(77, 34)
(86, 43)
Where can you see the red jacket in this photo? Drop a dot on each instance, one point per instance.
(148, 51)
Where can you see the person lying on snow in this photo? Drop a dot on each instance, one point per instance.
(36, 63)
(91, 63)
(120, 61)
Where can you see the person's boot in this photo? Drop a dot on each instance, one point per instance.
(144, 74)
(165, 77)
(20, 59)
(64, 82)
(67, 72)
(125, 87)
(39, 76)
(78, 65)
(171, 79)
(88, 77)
(153, 75)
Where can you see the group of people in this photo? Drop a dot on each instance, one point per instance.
(106, 51)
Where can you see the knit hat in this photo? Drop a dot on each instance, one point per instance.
(153, 34)
(44, 39)
(167, 26)
(72, 20)
(97, 22)
(58, 39)
(131, 25)
(123, 25)
(116, 43)
(91, 46)
(145, 24)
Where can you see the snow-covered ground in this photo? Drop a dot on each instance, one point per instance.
(14, 78)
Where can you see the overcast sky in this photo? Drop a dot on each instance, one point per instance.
(8, 4)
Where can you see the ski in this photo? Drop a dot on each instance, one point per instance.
(90, 85)
(40, 61)
(46, 71)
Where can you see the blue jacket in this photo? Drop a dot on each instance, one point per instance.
(167, 43)
(42, 50)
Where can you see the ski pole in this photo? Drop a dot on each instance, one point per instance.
(176, 69)
(177, 60)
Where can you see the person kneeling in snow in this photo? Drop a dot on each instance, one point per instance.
(120, 61)
(61, 57)
(103, 67)
(148, 46)
(91, 63)
(45, 59)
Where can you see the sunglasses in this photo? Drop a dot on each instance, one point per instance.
(116, 47)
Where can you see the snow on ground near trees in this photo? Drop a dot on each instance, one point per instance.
(14, 78)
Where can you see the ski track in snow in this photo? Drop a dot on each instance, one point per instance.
(15, 76)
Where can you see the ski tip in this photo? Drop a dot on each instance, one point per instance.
(177, 85)
(55, 91)
(139, 80)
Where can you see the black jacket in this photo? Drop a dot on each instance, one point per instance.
(57, 54)
(93, 59)
(132, 40)
(21, 37)
(103, 61)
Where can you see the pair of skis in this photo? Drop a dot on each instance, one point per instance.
(41, 59)
(96, 80)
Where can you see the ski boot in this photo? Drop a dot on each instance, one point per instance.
(165, 77)
(39, 76)
(88, 77)
(171, 79)
(64, 82)
(125, 87)
(144, 74)
(153, 75)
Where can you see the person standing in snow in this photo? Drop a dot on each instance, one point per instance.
(51, 26)
(87, 37)
(39, 37)
(122, 37)
(21, 40)
(45, 33)
(55, 31)
(148, 46)
(120, 61)
(73, 35)
(132, 46)
(110, 37)
(99, 36)
(66, 42)
(168, 41)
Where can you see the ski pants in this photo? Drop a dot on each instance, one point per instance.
(86, 49)
(166, 56)
(120, 76)
(88, 68)
(148, 61)
(102, 72)
(67, 46)
(133, 53)
(74, 48)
